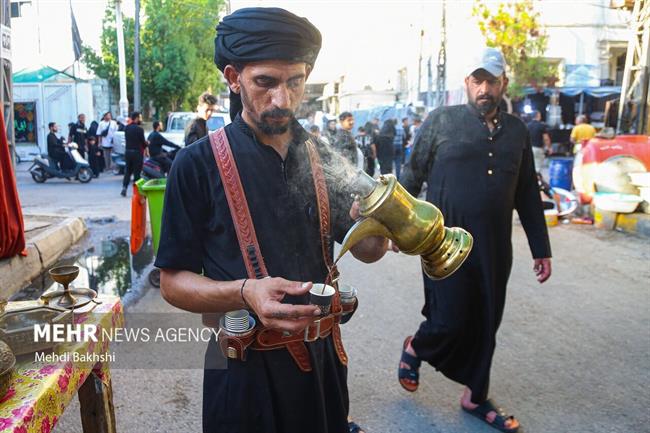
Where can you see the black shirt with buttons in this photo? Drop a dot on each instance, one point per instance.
(198, 234)
(478, 176)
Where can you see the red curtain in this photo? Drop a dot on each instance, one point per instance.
(12, 228)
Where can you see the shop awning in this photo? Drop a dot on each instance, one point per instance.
(596, 92)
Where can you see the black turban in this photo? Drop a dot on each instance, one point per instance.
(256, 34)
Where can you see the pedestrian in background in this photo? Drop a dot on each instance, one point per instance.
(94, 156)
(314, 130)
(407, 133)
(385, 146)
(540, 140)
(329, 135)
(364, 142)
(156, 150)
(198, 127)
(135, 150)
(106, 132)
(78, 133)
(478, 165)
(582, 132)
(344, 142)
(398, 148)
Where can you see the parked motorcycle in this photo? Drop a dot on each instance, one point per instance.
(45, 167)
(152, 169)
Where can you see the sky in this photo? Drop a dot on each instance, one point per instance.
(367, 41)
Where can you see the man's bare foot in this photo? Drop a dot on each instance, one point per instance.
(466, 402)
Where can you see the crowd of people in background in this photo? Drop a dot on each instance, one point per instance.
(93, 142)
(384, 145)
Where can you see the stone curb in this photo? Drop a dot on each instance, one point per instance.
(42, 252)
(634, 223)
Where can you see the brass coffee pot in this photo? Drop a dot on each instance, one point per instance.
(415, 226)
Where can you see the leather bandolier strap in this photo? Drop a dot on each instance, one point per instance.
(265, 338)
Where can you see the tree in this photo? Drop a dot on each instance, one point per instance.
(176, 52)
(515, 29)
(179, 39)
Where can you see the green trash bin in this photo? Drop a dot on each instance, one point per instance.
(154, 190)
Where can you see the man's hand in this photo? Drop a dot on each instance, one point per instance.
(264, 297)
(372, 248)
(542, 269)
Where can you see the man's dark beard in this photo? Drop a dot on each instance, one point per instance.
(486, 107)
(270, 129)
(262, 125)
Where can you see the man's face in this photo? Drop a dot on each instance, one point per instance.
(138, 121)
(331, 125)
(347, 123)
(82, 118)
(485, 91)
(54, 128)
(271, 91)
(204, 110)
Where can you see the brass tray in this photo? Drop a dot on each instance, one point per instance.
(82, 296)
(18, 320)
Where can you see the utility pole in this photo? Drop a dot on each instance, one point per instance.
(136, 60)
(429, 82)
(441, 77)
(124, 101)
(419, 89)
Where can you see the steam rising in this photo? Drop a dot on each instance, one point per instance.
(343, 178)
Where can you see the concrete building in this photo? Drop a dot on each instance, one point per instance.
(587, 40)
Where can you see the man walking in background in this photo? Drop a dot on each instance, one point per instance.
(398, 147)
(135, 150)
(198, 127)
(385, 146)
(539, 140)
(478, 165)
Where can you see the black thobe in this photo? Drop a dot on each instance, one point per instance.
(476, 177)
(78, 135)
(267, 392)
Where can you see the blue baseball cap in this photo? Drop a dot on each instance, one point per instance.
(491, 60)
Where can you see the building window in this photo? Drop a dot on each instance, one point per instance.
(17, 8)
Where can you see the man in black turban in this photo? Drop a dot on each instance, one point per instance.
(266, 56)
(257, 34)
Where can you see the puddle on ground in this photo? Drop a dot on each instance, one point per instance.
(107, 267)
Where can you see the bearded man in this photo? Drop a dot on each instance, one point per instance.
(478, 165)
(248, 222)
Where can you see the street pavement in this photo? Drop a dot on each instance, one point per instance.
(573, 354)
